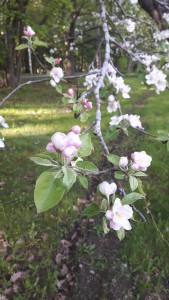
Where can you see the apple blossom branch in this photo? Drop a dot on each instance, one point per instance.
(97, 130)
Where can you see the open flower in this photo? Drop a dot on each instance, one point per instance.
(140, 161)
(56, 73)
(119, 215)
(107, 189)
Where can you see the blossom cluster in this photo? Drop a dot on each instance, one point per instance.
(158, 78)
(91, 80)
(133, 120)
(129, 25)
(140, 161)
(113, 105)
(68, 144)
(117, 82)
(87, 104)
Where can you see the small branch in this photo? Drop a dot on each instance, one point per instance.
(107, 57)
(39, 62)
(145, 132)
(89, 127)
(20, 86)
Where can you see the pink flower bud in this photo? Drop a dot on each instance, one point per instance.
(29, 31)
(70, 93)
(58, 60)
(88, 105)
(123, 161)
(50, 147)
(76, 129)
(59, 140)
(69, 151)
(84, 101)
(73, 140)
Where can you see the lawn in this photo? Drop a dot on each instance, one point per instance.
(29, 241)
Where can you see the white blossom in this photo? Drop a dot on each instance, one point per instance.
(162, 35)
(119, 215)
(107, 189)
(129, 25)
(166, 17)
(56, 73)
(133, 1)
(158, 78)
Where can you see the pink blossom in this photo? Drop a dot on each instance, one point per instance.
(107, 189)
(123, 161)
(84, 101)
(89, 105)
(59, 140)
(140, 161)
(69, 151)
(16, 276)
(70, 93)
(58, 60)
(76, 129)
(73, 140)
(119, 215)
(51, 147)
(29, 31)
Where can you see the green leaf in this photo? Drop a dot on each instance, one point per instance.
(91, 210)
(86, 166)
(140, 174)
(168, 146)
(84, 116)
(131, 198)
(103, 205)
(83, 180)
(21, 47)
(48, 191)
(104, 224)
(162, 138)
(87, 146)
(121, 234)
(58, 88)
(50, 60)
(37, 42)
(133, 183)
(41, 161)
(114, 159)
(64, 100)
(119, 175)
(69, 177)
(140, 189)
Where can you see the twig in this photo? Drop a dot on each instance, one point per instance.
(20, 86)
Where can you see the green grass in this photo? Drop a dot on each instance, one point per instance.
(34, 114)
